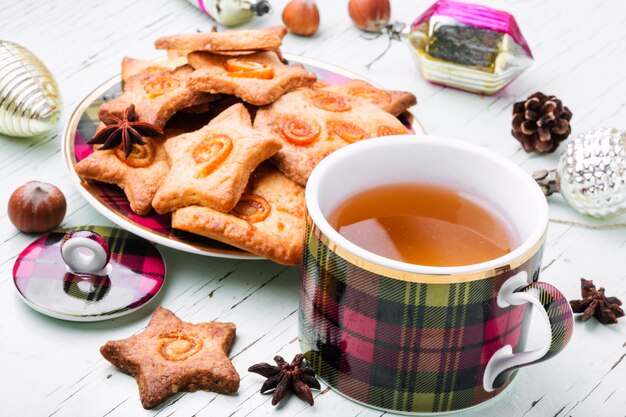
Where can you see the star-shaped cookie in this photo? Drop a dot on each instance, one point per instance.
(258, 78)
(228, 41)
(281, 31)
(267, 221)
(139, 175)
(312, 123)
(157, 96)
(391, 101)
(171, 356)
(133, 66)
(211, 166)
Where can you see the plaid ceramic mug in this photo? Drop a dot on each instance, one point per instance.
(418, 339)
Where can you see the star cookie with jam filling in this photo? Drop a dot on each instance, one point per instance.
(267, 221)
(139, 175)
(391, 101)
(312, 123)
(227, 41)
(157, 96)
(211, 166)
(133, 66)
(172, 356)
(125, 156)
(258, 78)
(281, 31)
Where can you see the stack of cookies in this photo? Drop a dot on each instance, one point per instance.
(239, 176)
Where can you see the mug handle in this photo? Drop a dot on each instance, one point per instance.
(556, 313)
(85, 252)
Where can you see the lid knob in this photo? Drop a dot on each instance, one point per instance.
(85, 252)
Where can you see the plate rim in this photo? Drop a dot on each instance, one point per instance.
(69, 156)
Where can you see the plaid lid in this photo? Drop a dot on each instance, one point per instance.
(137, 273)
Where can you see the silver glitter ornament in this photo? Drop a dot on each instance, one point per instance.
(591, 174)
(30, 103)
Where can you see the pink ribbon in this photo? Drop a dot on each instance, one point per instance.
(201, 4)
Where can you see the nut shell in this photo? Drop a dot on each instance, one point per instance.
(301, 17)
(370, 15)
(36, 207)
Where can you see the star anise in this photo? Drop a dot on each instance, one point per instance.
(295, 376)
(126, 131)
(595, 303)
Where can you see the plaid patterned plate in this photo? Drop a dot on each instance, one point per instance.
(110, 200)
(137, 273)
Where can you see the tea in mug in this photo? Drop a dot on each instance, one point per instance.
(424, 224)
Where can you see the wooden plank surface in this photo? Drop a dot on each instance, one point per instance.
(52, 367)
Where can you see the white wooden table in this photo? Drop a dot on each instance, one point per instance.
(53, 367)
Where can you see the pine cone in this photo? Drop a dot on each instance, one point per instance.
(541, 123)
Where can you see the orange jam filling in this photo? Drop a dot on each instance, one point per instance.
(246, 68)
(178, 346)
(319, 84)
(328, 101)
(298, 131)
(346, 130)
(211, 151)
(372, 95)
(160, 85)
(390, 130)
(141, 156)
(252, 208)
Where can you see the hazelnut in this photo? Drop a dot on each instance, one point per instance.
(301, 17)
(370, 15)
(36, 207)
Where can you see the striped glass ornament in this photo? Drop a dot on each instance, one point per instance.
(30, 103)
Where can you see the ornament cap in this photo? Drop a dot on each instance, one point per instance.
(548, 180)
(261, 7)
